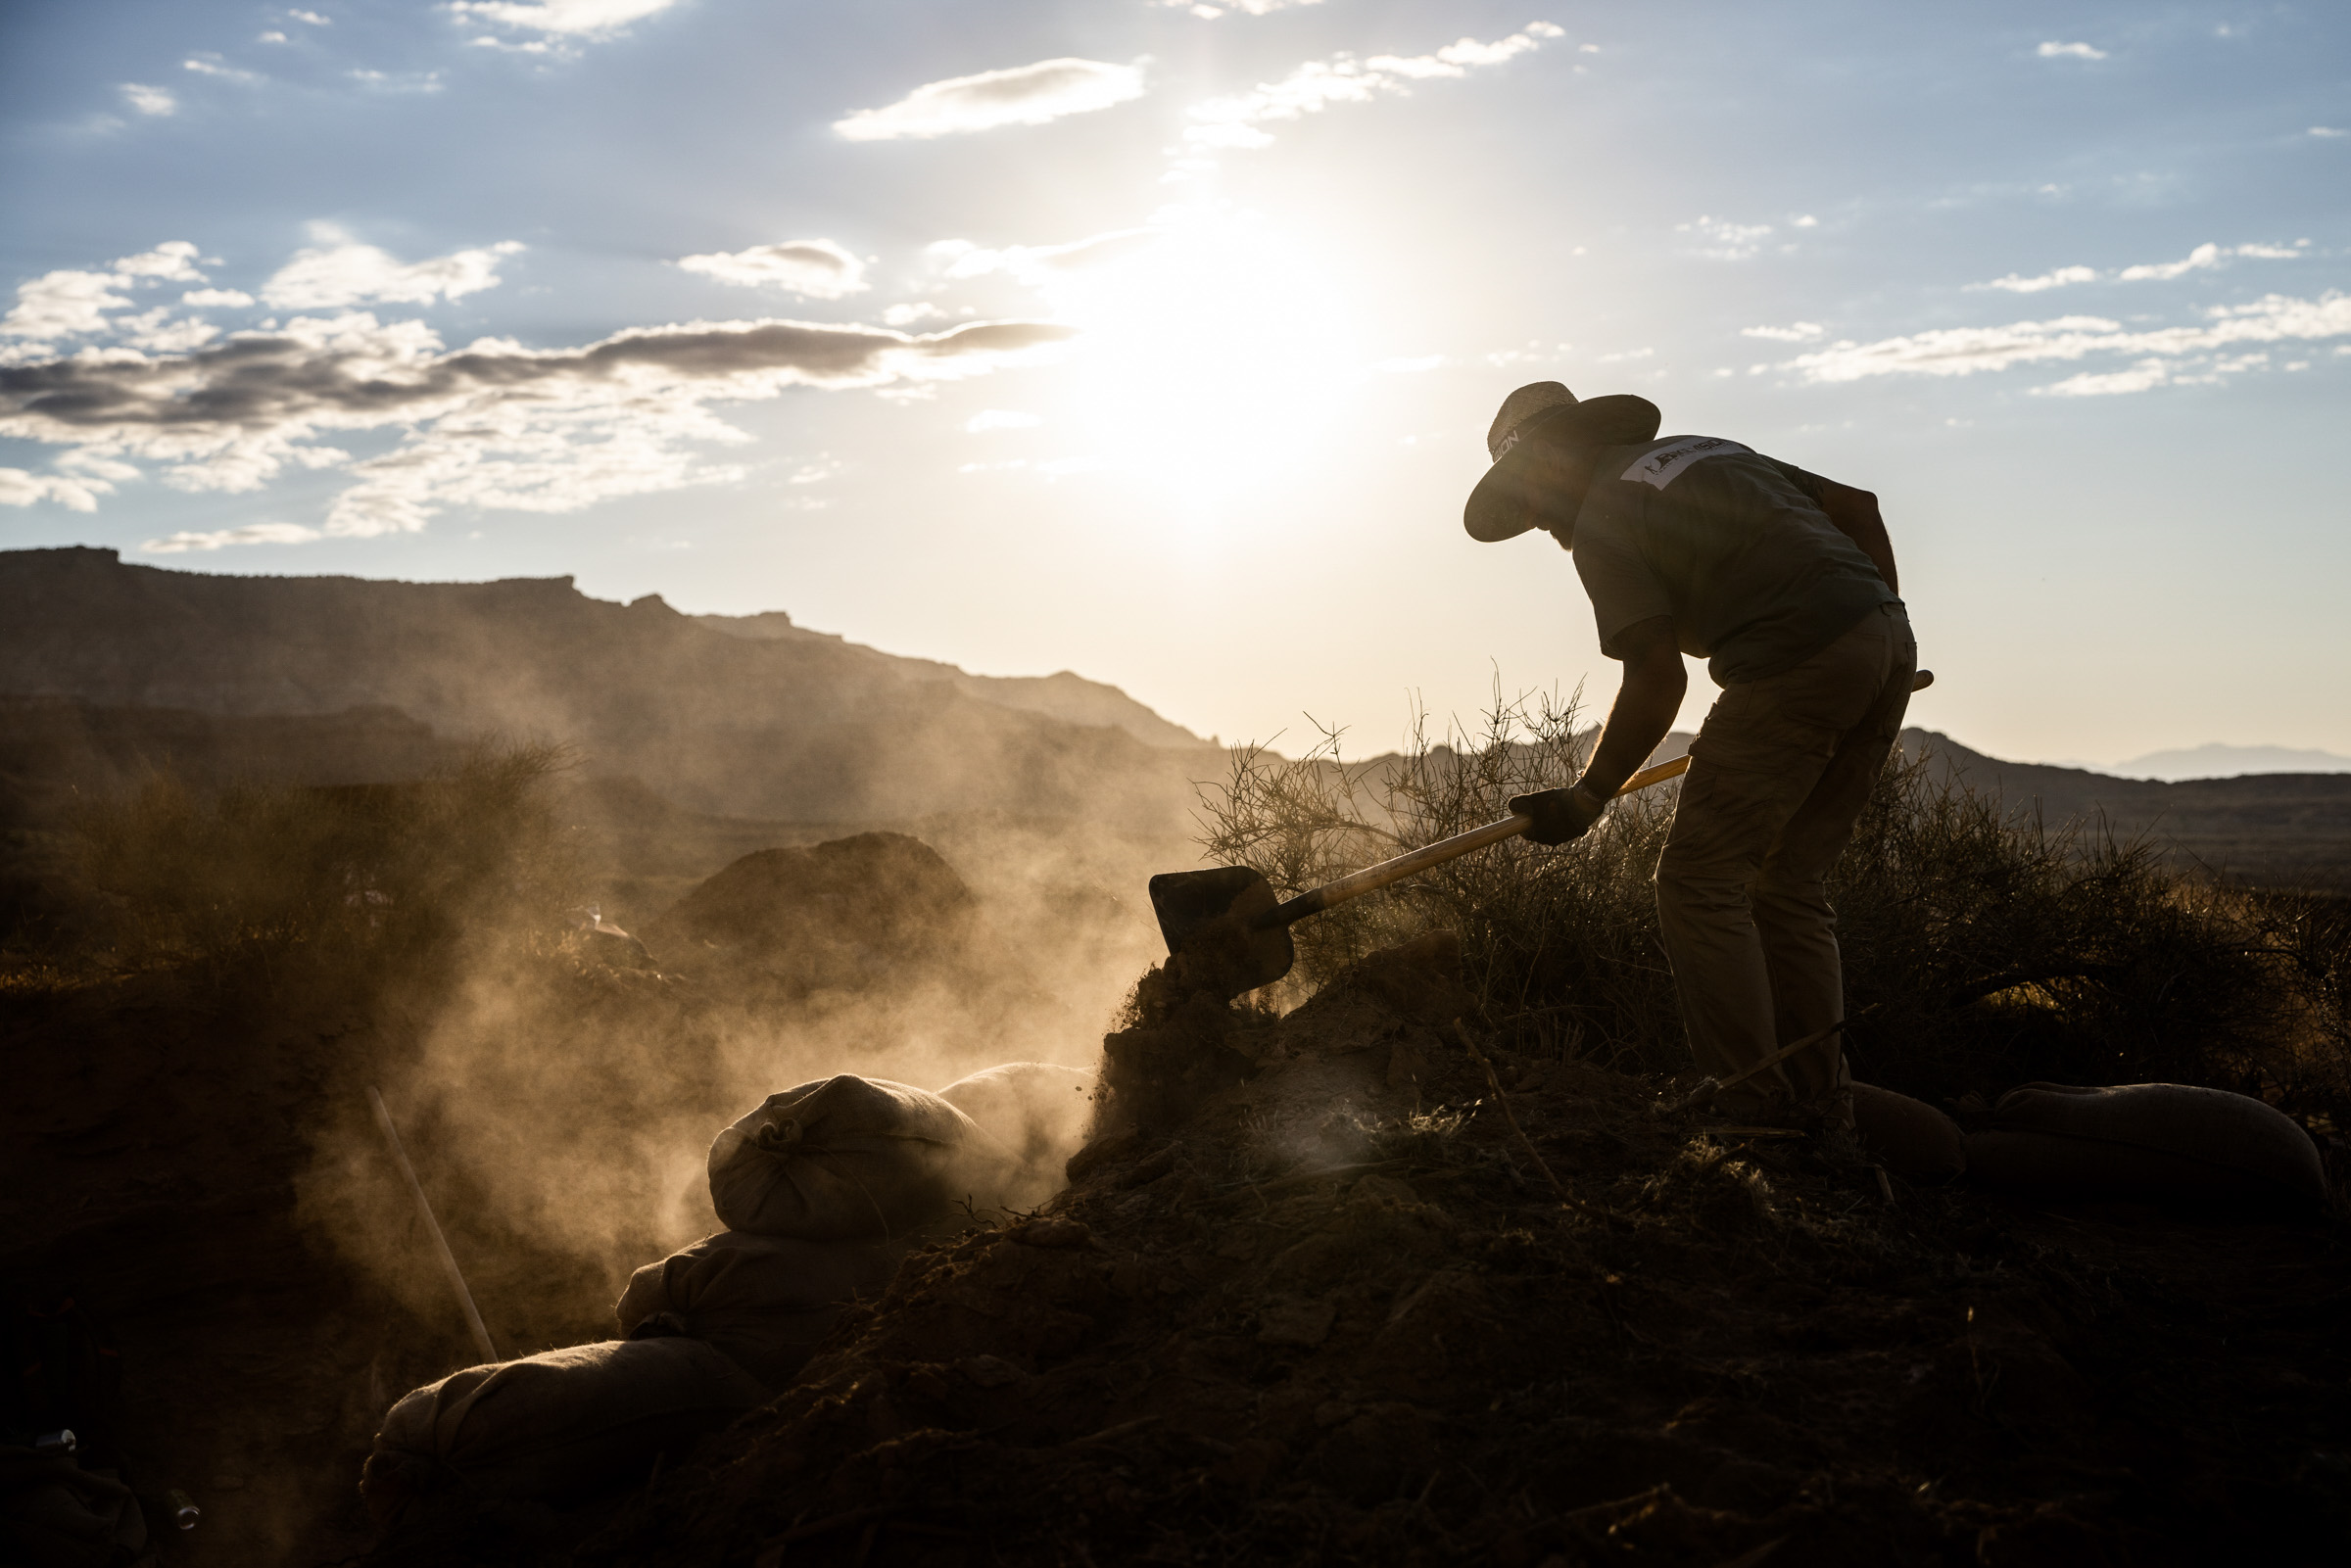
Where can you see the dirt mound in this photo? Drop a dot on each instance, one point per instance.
(1362, 1293)
(847, 914)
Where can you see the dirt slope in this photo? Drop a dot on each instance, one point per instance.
(1308, 1324)
(150, 1144)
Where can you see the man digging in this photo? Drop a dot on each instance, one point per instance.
(1784, 583)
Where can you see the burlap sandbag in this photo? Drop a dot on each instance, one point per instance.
(1910, 1137)
(1038, 1110)
(766, 1302)
(55, 1514)
(554, 1427)
(850, 1158)
(2152, 1142)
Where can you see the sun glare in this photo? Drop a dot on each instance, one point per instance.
(1214, 359)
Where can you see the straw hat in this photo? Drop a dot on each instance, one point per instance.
(1508, 501)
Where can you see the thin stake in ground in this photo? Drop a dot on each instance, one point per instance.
(1709, 1087)
(432, 1226)
(1528, 1144)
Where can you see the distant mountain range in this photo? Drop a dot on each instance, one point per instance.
(2280, 829)
(108, 671)
(105, 667)
(2213, 760)
(1067, 696)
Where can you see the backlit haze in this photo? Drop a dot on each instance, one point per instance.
(1159, 342)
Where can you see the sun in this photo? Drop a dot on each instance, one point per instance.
(1216, 357)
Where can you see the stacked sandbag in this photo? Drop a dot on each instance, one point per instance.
(2149, 1142)
(1909, 1137)
(1036, 1110)
(764, 1302)
(557, 1427)
(852, 1158)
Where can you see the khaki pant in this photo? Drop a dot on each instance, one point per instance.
(1779, 773)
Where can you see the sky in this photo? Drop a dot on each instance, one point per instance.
(1158, 340)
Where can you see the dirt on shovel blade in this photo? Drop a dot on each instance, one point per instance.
(1208, 919)
(1313, 1299)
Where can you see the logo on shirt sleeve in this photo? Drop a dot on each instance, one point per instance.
(1664, 465)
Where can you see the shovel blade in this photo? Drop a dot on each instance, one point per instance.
(1206, 916)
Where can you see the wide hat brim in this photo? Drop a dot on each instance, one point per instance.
(1508, 500)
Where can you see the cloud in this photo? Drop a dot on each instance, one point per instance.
(2162, 355)
(215, 65)
(1795, 332)
(569, 19)
(1235, 121)
(2203, 256)
(1034, 265)
(208, 299)
(818, 269)
(156, 101)
(2144, 376)
(20, 488)
(1724, 240)
(342, 271)
(2196, 260)
(1252, 8)
(911, 311)
(1022, 95)
(2077, 51)
(492, 425)
(64, 305)
(72, 303)
(988, 419)
(407, 81)
(2015, 283)
(225, 538)
(2329, 131)
(173, 259)
(151, 330)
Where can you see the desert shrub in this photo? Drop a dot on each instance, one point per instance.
(391, 868)
(1560, 943)
(1982, 947)
(1990, 948)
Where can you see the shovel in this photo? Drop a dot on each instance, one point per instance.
(1232, 933)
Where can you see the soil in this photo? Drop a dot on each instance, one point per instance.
(186, 1151)
(1322, 1291)
(154, 1132)
(1308, 1315)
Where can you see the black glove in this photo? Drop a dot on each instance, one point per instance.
(1559, 815)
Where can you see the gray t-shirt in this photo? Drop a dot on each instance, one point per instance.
(1731, 543)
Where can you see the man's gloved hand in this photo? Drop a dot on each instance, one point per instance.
(1560, 815)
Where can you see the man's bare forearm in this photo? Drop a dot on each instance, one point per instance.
(1654, 684)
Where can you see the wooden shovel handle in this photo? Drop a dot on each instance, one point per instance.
(1371, 878)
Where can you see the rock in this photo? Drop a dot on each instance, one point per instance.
(848, 913)
(1304, 1323)
(989, 1372)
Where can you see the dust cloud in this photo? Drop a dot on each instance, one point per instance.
(559, 1098)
